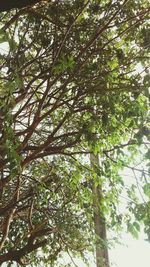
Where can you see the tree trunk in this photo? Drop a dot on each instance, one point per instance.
(6, 5)
(102, 259)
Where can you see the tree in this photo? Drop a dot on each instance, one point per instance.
(63, 59)
(99, 219)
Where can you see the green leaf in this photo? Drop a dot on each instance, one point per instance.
(3, 36)
(133, 230)
(137, 226)
(146, 189)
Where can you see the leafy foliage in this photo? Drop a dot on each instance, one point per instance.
(70, 87)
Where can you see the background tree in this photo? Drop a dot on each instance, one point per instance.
(65, 58)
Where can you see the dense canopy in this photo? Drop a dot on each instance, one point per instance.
(74, 82)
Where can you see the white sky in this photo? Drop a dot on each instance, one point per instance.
(134, 253)
(137, 254)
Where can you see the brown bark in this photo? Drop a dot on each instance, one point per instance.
(102, 257)
(17, 255)
(33, 244)
(6, 5)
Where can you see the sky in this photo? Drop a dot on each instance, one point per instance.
(133, 253)
(136, 254)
